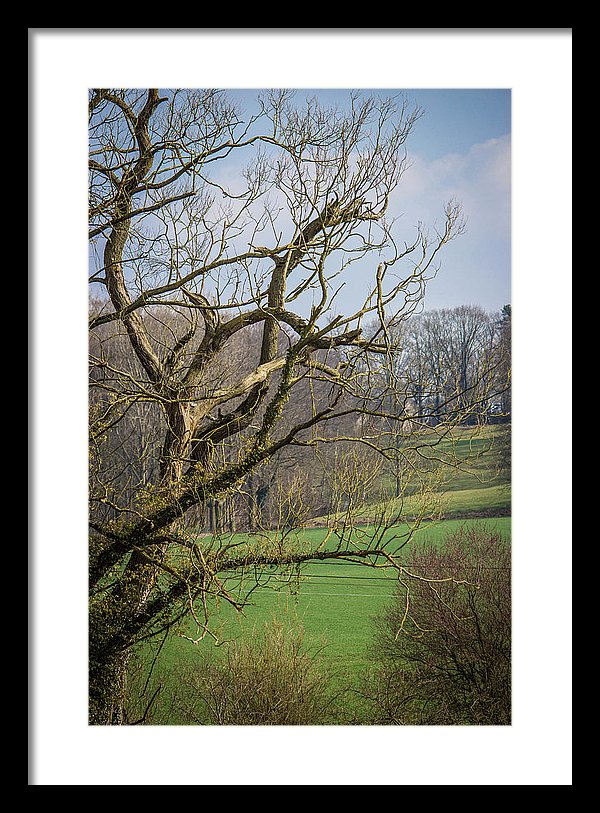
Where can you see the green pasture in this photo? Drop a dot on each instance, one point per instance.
(333, 601)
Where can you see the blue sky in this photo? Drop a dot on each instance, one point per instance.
(459, 148)
(462, 146)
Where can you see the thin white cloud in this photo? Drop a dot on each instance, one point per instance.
(475, 269)
(480, 179)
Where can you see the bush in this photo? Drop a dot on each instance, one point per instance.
(444, 644)
(266, 679)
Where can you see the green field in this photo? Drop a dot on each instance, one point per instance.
(334, 601)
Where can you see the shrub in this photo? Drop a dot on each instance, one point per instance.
(443, 645)
(265, 679)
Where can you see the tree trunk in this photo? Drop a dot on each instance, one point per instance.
(107, 689)
(177, 442)
(114, 620)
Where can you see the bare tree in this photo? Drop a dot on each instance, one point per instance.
(209, 228)
(451, 362)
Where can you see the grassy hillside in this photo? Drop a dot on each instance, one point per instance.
(469, 472)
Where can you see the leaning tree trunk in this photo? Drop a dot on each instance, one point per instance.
(108, 689)
(115, 619)
(108, 662)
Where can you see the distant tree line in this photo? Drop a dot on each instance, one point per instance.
(450, 365)
(455, 360)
